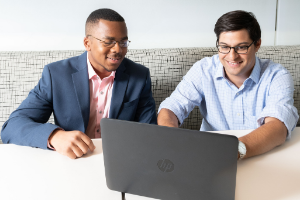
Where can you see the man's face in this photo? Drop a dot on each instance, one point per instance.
(238, 67)
(106, 59)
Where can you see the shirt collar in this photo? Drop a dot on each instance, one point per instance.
(220, 69)
(255, 74)
(92, 72)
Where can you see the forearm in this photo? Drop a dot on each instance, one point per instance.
(26, 132)
(167, 118)
(273, 133)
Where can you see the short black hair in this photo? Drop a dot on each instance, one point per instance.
(237, 20)
(103, 13)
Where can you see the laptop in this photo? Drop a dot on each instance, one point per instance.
(168, 163)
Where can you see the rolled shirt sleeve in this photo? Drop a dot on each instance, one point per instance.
(279, 101)
(187, 94)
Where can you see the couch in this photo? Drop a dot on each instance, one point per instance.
(20, 72)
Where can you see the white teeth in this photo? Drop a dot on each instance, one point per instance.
(234, 63)
(113, 59)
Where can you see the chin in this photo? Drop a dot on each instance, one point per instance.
(110, 69)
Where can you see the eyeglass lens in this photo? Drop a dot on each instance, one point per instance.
(238, 49)
(113, 43)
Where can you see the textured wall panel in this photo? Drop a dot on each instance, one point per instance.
(20, 72)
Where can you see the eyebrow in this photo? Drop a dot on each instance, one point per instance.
(112, 38)
(236, 45)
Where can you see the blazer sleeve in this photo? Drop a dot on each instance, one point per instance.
(27, 125)
(145, 112)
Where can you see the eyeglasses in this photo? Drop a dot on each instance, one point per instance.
(112, 43)
(238, 49)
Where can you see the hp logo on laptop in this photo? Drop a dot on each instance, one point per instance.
(165, 165)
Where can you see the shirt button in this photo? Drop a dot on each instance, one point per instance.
(100, 111)
(98, 130)
(101, 92)
(238, 114)
(97, 77)
(237, 93)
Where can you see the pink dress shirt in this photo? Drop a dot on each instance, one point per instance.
(100, 98)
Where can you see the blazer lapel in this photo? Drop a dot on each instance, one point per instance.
(119, 89)
(82, 89)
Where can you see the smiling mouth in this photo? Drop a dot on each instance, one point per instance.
(114, 59)
(234, 63)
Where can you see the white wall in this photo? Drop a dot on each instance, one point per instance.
(288, 22)
(59, 24)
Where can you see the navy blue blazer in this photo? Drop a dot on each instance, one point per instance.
(64, 90)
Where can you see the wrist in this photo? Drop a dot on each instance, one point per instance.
(52, 135)
(242, 150)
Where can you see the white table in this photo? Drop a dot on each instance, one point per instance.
(34, 174)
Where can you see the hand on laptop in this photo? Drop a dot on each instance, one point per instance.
(73, 144)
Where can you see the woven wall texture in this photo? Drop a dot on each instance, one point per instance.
(20, 72)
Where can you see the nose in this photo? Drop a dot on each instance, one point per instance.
(232, 55)
(116, 48)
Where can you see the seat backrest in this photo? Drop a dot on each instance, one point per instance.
(20, 72)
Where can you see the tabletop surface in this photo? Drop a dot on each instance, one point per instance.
(31, 173)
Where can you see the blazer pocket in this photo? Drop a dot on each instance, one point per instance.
(130, 103)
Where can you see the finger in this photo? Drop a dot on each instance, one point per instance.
(77, 151)
(83, 146)
(88, 142)
(70, 154)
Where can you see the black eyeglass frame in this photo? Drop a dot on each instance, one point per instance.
(114, 42)
(232, 48)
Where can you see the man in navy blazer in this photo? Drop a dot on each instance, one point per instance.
(64, 90)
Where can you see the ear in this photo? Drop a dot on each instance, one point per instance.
(257, 46)
(87, 43)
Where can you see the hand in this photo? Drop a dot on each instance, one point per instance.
(73, 144)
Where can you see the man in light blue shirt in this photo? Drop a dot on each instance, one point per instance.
(235, 90)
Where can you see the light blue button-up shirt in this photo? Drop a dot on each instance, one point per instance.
(268, 92)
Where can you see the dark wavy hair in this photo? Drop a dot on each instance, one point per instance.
(237, 20)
